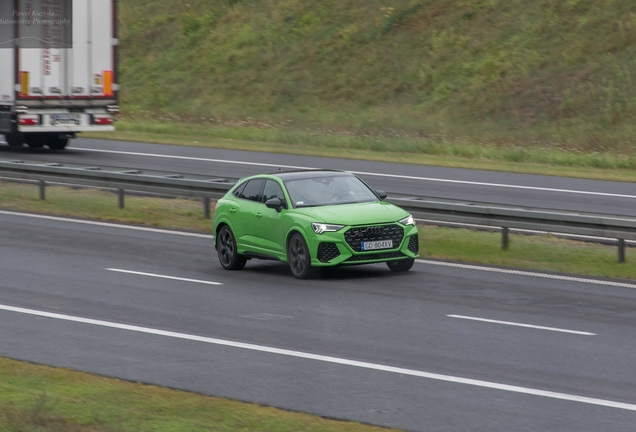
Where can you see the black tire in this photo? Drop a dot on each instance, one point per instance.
(299, 258)
(56, 143)
(401, 265)
(34, 141)
(15, 140)
(226, 249)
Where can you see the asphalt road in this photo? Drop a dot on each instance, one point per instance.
(451, 183)
(405, 350)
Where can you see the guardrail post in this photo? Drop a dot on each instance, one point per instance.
(42, 190)
(120, 196)
(621, 250)
(504, 238)
(206, 208)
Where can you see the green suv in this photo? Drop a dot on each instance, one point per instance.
(312, 219)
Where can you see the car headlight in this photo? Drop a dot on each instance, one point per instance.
(408, 220)
(320, 228)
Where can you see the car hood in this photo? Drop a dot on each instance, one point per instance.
(355, 214)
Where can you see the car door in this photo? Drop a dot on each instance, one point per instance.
(243, 216)
(270, 223)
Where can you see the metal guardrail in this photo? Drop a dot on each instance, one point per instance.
(585, 224)
(121, 179)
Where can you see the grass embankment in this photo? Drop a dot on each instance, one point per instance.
(542, 75)
(43, 399)
(546, 253)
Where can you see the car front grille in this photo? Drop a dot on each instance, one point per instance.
(376, 256)
(355, 236)
(414, 244)
(327, 251)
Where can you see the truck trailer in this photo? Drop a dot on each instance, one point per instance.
(58, 70)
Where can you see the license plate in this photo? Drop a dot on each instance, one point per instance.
(373, 245)
(61, 119)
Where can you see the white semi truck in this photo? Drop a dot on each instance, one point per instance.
(58, 70)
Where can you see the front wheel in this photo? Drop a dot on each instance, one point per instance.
(57, 143)
(401, 265)
(299, 258)
(227, 251)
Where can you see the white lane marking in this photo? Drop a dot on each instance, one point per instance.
(193, 158)
(328, 359)
(522, 325)
(107, 224)
(164, 277)
(429, 179)
(527, 273)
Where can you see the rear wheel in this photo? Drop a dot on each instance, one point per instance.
(56, 143)
(227, 251)
(34, 141)
(401, 265)
(15, 139)
(299, 258)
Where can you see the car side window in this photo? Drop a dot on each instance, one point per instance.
(252, 190)
(239, 190)
(272, 190)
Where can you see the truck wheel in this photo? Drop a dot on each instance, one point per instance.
(15, 140)
(57, 143)
(34, 141)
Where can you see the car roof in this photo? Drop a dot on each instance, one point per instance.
(308, 173)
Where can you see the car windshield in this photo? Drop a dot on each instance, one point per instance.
(328, 190)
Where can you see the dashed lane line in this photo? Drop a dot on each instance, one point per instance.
(514, 324)
(136, 273)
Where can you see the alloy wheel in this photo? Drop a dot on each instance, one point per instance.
(227, 251)
(298, 258)
(226, 247)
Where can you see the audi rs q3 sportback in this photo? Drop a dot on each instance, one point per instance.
(312, 219)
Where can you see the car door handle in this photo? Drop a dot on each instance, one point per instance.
(232, 210)
(258, 215)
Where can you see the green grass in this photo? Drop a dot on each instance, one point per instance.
(101, 204)
(546, 253)
(547, 74)
(37, 398)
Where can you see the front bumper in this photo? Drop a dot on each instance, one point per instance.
(332, 248)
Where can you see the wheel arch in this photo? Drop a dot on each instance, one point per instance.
(290, 234)
(220, 225)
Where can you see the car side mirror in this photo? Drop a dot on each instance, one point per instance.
(275, 203)
(381, 194)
